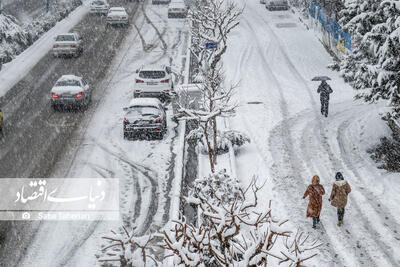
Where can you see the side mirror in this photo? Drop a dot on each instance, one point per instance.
(137, 71)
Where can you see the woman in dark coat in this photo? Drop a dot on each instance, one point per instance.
(314, 192)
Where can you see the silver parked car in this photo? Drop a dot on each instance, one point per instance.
(67, 44)
(145, 117)
(70, 91)
(154, 81)
(99, 7)
(117, 16)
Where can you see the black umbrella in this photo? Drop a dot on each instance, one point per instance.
(321, 78)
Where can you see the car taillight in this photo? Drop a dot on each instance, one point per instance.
(73, 46)
(53, 95)
(79, 95)
(165, 81)
(123, 17)
(55, 46)
(159, 120)
(126, 120)
(137, 91)
(139, 81)
(166, 91)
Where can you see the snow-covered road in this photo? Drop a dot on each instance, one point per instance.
(291, 141)
(145, 168)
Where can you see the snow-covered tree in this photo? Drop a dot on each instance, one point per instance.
(373, 66)
(211, 22)
(215, 101)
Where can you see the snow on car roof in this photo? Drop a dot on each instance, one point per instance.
(117, 9)
(68, 33)
(144, 102)
(177, 4)
(69, 77)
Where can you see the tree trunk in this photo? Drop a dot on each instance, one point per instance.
(215, 140)
(210, 150)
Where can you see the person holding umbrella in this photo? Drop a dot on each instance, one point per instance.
(324, 91)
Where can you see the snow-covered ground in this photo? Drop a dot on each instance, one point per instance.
(291, 141)
(144, 168)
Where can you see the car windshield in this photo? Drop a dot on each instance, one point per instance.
(99, 3)
(152, 74)
(68, 83)
(62, 38)
(143, 111)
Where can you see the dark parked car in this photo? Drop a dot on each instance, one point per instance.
(145, 117)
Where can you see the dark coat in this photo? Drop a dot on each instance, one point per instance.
(324, 90)
(314, 192)
(340, 190)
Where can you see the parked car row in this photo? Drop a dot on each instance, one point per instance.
(275, 4)
(176, 8)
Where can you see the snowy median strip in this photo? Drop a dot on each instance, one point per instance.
(18, 68)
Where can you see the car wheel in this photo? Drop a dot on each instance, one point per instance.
(160, 136)
(55, 107)
(126, 135)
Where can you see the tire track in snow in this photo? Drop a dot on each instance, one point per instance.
(320, 130)
(282, 133)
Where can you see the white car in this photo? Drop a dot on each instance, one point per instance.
(145, 117)
(67, 44)
(262, 2)
(117, 15)
(99, 7)
(154, 81)
(177, 10)
(70, 91)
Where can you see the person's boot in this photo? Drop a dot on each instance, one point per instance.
(340, 223)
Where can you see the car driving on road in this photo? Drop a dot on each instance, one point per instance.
(153, 81)
(145, 117)
(117, 16)
(99, 7)
(67, 44)
(70, 91)
(277, 4)
(177, 10)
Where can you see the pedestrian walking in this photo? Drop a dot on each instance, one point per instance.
(338, 198)
(324, 91)
(314, 192)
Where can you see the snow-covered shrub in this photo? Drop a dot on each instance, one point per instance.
(387, 154)
(129, 250)
(225, 139)
(219, 186)
(234, 233)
